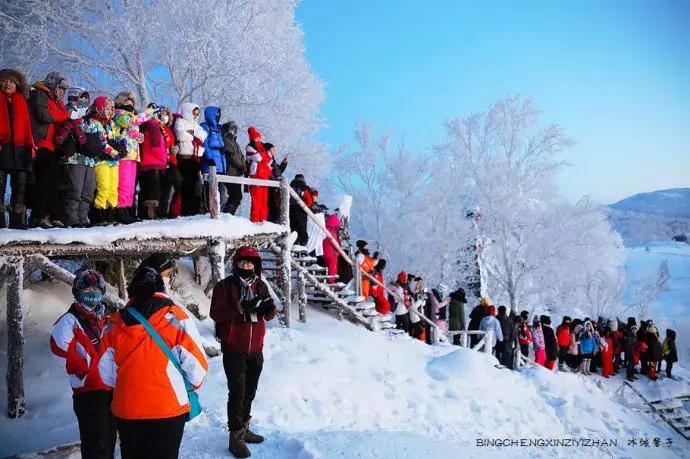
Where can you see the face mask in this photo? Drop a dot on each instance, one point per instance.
(166, 283)
(91, 300)
(129, 108)
(245, 273)
(165, 119)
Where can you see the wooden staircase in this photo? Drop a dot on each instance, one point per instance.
(325, 292)
(673, 411)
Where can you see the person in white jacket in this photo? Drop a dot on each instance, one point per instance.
(190, 138)
(490, 322)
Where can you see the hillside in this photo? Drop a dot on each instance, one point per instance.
(332, 389)
(648, 217)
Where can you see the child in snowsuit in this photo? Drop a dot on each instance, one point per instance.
(107, 150)
(76, 338)
(668, 348)
(126, 122)
(79, 178)
(260, 167)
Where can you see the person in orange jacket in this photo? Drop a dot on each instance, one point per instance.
(241, 305)
(150, 398)
(366, 264)
(76, 337)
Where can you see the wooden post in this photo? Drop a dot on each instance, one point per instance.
(16, 403)
(121, 279)
(302, 297)
(284, 255)
(216, 255)
(213, 194)
(465, 340)
(488, 339)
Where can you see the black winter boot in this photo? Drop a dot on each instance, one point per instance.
(124, 215)
(237, 445)
(17, 217)
(251, 437)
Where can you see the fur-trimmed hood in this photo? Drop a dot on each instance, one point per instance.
(18, 77)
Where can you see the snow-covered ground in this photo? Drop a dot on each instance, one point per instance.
(672, 308)
(332, 389)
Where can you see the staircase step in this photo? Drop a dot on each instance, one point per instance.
(386, 325)
(668, 404)
(678, 414)
(363, 306)
(370, 313)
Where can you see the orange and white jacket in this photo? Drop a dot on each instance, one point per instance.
(79, 347)
(146, 385)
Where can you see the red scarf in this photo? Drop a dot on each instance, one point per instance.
(20, 132)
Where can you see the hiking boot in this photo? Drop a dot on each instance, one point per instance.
(237, 445)
(124, 215)
(150, 210)
(251, 437)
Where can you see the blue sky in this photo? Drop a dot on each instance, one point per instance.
(615, 75)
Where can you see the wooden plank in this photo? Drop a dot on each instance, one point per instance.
(247, 181)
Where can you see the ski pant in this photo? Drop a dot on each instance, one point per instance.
(151, 438)
(231, 197)
(274, 205)
(47, 171)
(242, 371)
(78, 187)
(97, 430)
(127, 182)
(669, 368)
(506, 352)
(331, 266)
(298, 223)
(549, 364)
(18, 181)
(259, 210)
(402, 322)
(630, 367)
(540, 356)
(150, 191)
(524, 349)
(562, 355)
(106, 185)
(191, 186)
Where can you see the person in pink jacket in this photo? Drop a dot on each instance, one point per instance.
(154, 160)
(330, 253)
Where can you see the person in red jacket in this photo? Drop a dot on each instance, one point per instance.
(47, 111)
(607, 354)
(260, 167)
(563, 338)
(377, 292)
(241, 304)
(76, 337)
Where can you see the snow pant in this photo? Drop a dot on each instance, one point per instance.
(151, 438)
(259, 210)
(274, 205)
(549, 364)
(524, 349)
(596, 362)
(630, 367)
(669, 368)
(150, 192)
(233, 198)
(191, 186)
(18, 181)
(402, 322)
(171, 183)
(106, 185)
(416, 329)
(78, 189)
(651, 368)
(298, 223)
(540, 356)
(242, 371)
(506, 354)
(562, 355)
(457, 339)
(97, 430)
(127, 182)
(331, 266)
(47, 172)
(474, 339)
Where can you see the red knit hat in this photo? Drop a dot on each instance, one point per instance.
(100, 103)
(491, 310)
(402, 277)
(254, 134)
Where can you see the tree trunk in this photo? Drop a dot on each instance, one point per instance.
(302, 297)
(16, 403)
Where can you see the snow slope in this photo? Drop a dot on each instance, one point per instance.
(331, 389)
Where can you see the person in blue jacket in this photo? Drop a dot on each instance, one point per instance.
(588, 346)
(213, 149)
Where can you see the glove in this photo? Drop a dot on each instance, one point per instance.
(376, 255)
(248, 306)
(265, 308)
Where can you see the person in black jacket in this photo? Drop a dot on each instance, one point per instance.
(503, 348)
(236, 166)
(476, 316)
(298, 217)
(277, 169)
(629, 343)
(550, 342)
(653, 355)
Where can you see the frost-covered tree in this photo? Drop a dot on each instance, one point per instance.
(536, 249)
(647, 293)
(245, 56)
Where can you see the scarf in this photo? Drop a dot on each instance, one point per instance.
(19, 132)
(246, 293)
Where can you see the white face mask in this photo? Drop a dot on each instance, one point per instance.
(165, 120)
(166, 283)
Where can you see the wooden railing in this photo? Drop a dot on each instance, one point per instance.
(485, 343)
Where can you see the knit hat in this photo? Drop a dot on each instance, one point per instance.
(491, 310)
(546, 320)
(254, 134)
(381, 265)
(484, 302)
(87, 278)
(123, 97)
(567, 319)
(361, 244)
(145, 283)
(524, 315)
(402, 277)
(158, 262)
(100, 103)
(501, 309)
(19, 79)
(55, 79)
